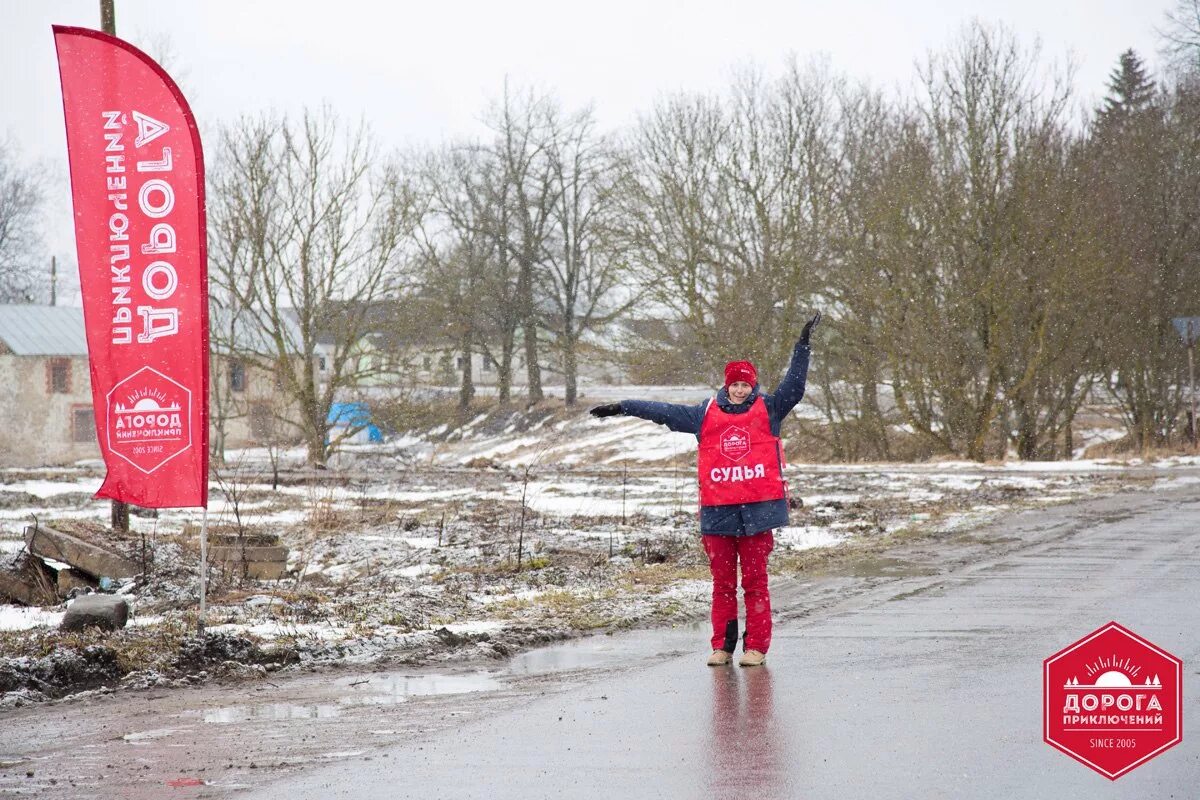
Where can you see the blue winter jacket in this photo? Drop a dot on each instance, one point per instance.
(743, 519)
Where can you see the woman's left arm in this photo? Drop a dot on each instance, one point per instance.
(791, 389)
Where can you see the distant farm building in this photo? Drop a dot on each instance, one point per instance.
(46, 412)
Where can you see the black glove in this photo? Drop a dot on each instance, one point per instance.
(808, 326)
(607, 410)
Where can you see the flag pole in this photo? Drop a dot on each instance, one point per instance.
(203, 567)
(119, 513)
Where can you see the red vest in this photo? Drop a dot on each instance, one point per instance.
(740, 460)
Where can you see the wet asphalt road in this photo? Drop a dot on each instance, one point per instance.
(923, 687)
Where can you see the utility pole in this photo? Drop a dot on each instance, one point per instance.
(1191, 343)
(108, 17)
(108, 24)
(53, 279)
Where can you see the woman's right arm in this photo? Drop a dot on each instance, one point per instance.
(685, 419)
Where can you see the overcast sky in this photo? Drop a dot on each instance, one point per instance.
(422, 71)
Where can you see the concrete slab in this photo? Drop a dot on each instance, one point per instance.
(84, 556)
(236, 553)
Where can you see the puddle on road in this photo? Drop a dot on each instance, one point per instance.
(385, 689)
(378, 690)
(271, 711)
(391, 689)
(605, 651)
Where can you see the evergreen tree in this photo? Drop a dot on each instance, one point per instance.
(1130, 90)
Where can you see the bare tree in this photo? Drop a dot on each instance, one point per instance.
(728, 210)
(949, 311)
(523, 126)
(243, 223)
(1053, 277)
(457, 284)
(21, 200)
(668, 208)
(775, 218)
(586, 280)
(869, 206)
(1180, 36)
(325, 228)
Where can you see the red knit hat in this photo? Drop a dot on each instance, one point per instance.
(740, 371)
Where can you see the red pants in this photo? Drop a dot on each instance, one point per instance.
(724, 553)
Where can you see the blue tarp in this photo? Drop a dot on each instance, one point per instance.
(1188, 329)
(354, 415)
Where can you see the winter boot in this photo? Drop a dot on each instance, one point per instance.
(752, 658)
(720, 658)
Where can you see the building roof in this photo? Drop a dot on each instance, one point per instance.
(30, 330)
(33, 330)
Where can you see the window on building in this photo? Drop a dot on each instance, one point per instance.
(321, 363)
(462, 361)
(58, 377)
(427, 363)
(488, 364)
(237, 376)
(83, 425)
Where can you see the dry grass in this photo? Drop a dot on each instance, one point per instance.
(1124, 448)
(582, 612)
(137, 648)
(657, 577)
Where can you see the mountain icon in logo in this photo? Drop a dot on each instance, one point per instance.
(146, 405)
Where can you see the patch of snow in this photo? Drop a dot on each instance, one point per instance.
(53, 488)
(577, 506)
(271, 630)
(1178, 461)
(1093, 436)
(420, 542)
(490, 599)
(811, 500)
(1079, 465)
(419, 494)
(499, 449)
(416, 570)
(20, 618)
(475, 626)
(1174, 481)
(808, 537)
